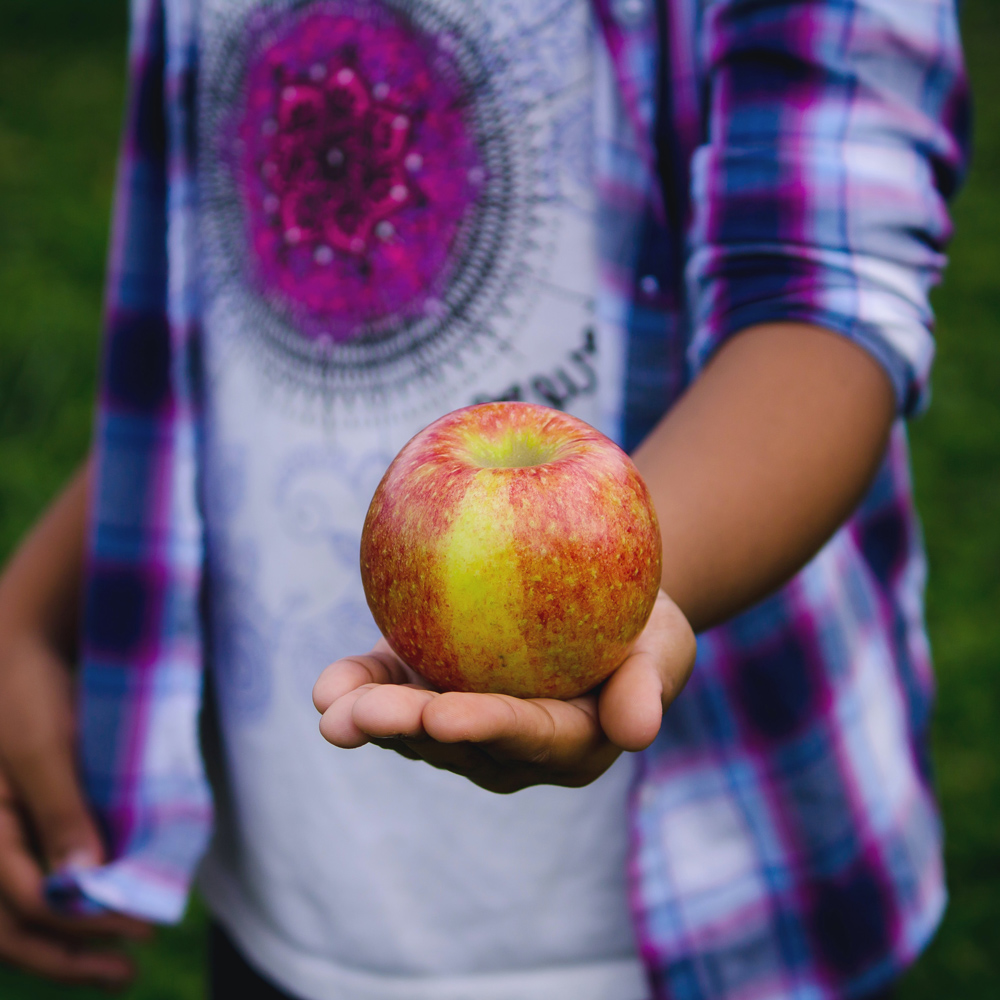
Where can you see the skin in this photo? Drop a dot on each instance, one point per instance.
(44, 820)
(754, 468)
(735, 525)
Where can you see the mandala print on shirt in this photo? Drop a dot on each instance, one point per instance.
(366, 190)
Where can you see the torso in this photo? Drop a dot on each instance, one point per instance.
(397, 219)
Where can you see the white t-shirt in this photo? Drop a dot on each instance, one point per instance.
(397, 218)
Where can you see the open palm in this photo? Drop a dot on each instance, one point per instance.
(504, 743)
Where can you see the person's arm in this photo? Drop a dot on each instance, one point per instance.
(40, 588)
(761, 461)
(752, 470)
(835, 134)
(41, 801)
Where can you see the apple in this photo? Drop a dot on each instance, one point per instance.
(511, 548)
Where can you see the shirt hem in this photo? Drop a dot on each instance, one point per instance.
(311, 977)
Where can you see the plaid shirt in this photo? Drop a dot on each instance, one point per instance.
(779, 160)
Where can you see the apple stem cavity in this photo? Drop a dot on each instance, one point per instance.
(519, 448)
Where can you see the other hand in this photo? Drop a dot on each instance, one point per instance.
(503, 743)
(45, 824)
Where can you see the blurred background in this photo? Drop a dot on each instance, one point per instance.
(61, 94)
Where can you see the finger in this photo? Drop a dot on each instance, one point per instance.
(380, 666)
(541, 731)
(632, 703)
(337, 725)
(64, 962)
(40, 771)
(476, 763)
(392, 710)
(108, 927)
(22, 887)
(21, 876)
(634, 698)
(397, 746)
(467, 759)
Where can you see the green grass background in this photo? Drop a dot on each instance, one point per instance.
(61, 91)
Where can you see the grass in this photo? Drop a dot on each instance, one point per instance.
(957, 469)
(61, 70)
(60, 101)
(61, 93)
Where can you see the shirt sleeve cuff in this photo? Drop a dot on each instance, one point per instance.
(879, 304)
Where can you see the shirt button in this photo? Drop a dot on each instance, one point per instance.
(629, 13)
(649, 286)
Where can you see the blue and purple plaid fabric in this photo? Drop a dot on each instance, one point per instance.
(788, 159)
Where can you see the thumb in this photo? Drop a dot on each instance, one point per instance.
(37, 734)
(49, 788)
(68, 838)
(634, 698)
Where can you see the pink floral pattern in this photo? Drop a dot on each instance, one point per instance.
(357, 168)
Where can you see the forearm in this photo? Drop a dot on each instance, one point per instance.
(760, 462)
(40, 587)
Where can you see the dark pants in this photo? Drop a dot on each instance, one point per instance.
(230, 978)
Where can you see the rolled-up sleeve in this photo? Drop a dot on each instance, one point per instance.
(837, 131)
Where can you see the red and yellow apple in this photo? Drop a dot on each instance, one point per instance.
(511, 548)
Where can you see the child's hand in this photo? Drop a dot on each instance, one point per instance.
(502, 743)
(45, 822)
